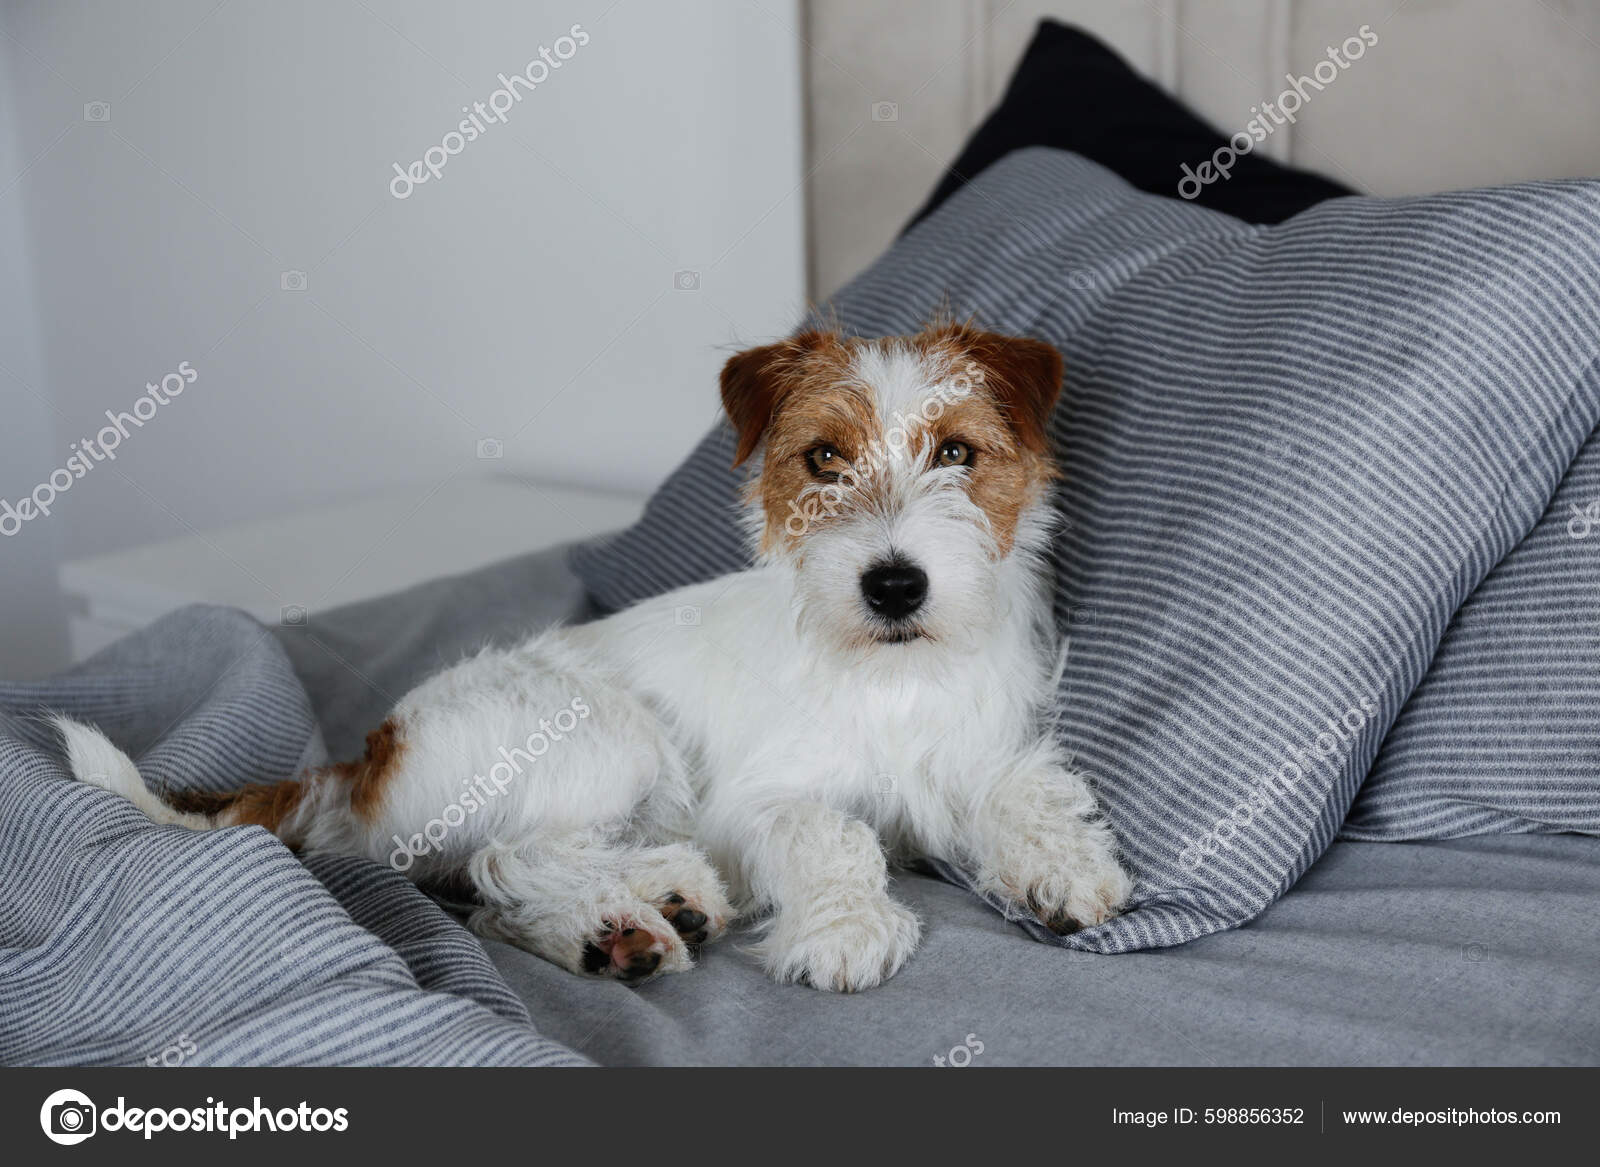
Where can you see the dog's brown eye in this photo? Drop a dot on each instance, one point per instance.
(955, 454)
(825, 461)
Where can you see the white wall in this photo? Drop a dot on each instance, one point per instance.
(527, 294)
(32, 624)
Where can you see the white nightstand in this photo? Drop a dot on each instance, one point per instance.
(333, 555)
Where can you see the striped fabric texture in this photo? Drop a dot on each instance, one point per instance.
(1291, 453)
(124, 943)
(1503, 734)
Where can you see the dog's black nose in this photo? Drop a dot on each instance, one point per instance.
(895, 590)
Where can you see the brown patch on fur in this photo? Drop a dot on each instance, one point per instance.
(1005, 476)
(1005, 419)
(265, 805)
(368, 779)
(1022, 375)
(801, 393)
(796, 394)
(271, 804)
(757, 381)
(820, 411)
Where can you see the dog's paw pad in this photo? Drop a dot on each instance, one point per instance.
(690, 922)
(628, 952)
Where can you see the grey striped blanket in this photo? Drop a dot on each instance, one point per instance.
(123, 943)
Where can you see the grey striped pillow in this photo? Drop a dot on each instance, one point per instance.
(1291, 453)
(1503, 734)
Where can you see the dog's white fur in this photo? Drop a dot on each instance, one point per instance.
(754, 726)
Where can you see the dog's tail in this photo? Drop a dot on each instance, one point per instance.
(276, 805)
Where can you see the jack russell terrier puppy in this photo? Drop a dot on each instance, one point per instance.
(879, 687)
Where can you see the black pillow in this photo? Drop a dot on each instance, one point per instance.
(1074, 93)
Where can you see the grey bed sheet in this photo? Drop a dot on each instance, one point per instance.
(1473, 951)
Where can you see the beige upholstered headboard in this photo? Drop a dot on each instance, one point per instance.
(1453, 93)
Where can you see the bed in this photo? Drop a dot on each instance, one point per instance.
(1473, 952)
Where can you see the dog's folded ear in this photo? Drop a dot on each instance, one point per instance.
(755, 381)
(1022, 374)
(1026, 376)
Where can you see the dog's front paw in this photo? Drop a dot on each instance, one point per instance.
(1070, 888)
(634, 948)
(843, 950)
(682, 885)
(1040, 844)
(624, 939)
